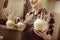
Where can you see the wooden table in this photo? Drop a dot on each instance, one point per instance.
(9, 34)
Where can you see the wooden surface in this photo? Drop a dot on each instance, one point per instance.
(9, 34)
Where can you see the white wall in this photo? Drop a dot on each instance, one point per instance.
(57, 7)
(16, 7)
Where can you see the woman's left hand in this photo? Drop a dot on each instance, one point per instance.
(43, 34)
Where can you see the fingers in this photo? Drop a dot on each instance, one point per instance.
(41, 16)
(39, 33)
(42, 34)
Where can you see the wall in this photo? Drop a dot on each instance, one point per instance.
(15, 7)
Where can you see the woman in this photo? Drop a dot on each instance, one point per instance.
(30, 32)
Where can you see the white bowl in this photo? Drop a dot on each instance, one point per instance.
(21, 26)
(10, 24)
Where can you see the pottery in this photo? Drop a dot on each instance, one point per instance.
(10, 24)
(40, 24)
(20, 26)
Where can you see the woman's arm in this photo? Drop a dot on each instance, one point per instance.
(28, 18)
(43, 35)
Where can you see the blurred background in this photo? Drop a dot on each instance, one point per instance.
(21, 7)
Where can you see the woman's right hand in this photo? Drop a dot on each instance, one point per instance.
(43, 34)
(28, 17)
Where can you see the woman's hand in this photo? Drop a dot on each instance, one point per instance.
(43, 35)
(28, 18)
